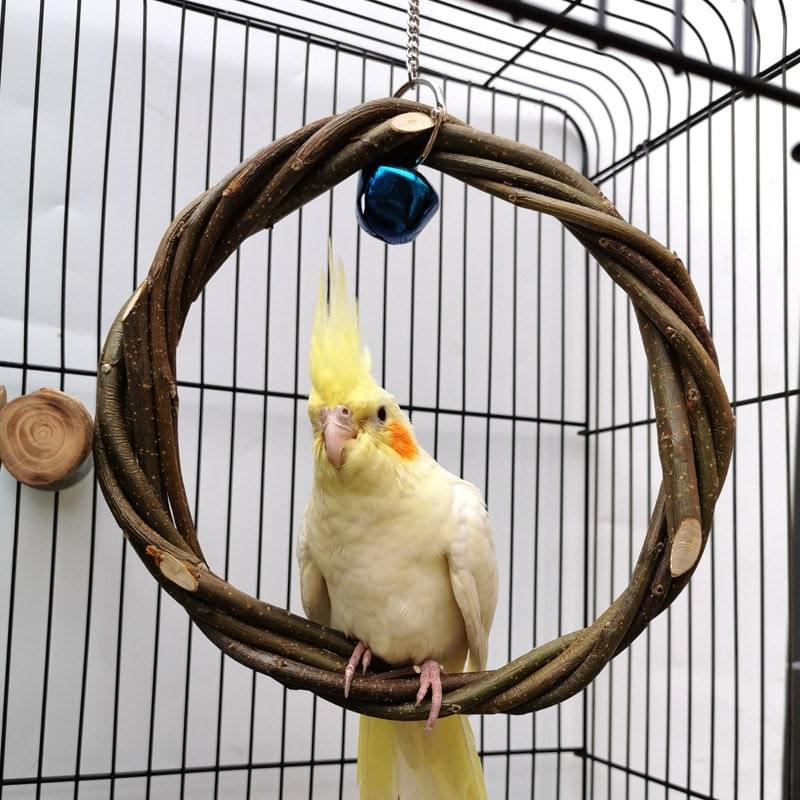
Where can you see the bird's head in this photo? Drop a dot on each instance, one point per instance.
(358, 427)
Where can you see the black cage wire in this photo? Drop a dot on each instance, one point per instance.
(518, 362)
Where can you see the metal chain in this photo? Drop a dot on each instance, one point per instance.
(439, 112)
(412, 50)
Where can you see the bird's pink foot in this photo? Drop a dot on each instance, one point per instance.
(361, 655)
(430, 677)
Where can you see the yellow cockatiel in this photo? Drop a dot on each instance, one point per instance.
(397, 553)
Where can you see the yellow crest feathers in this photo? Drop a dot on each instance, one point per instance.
(338, 363)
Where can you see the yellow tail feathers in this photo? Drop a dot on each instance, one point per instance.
(400, 760)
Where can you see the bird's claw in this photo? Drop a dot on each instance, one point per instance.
(430, 677)
(361, 654)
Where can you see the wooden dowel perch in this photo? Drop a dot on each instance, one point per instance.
(45, 439)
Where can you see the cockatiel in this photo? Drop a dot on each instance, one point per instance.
(397, 553)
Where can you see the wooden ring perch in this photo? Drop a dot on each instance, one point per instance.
(136, 446)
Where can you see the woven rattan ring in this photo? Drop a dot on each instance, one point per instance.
(136, 447)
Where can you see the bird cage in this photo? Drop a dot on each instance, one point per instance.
(516, 357)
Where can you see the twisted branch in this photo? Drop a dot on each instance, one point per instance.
(136, 444)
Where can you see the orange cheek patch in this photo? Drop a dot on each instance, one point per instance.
(401, 441)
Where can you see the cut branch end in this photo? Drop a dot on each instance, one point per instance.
(45, 439)
(686, 547)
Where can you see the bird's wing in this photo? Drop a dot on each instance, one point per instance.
(313, 589)
(473, 569)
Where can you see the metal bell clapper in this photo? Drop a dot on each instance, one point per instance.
(396, 202)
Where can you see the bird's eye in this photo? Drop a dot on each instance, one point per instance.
(382, 413)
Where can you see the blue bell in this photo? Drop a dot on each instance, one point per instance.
(394, 203)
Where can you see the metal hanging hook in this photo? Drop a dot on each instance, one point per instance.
(439, 112)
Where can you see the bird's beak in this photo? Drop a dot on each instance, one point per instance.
(338, 427)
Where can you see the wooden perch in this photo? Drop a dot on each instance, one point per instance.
(136, 442)
(45, 438)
